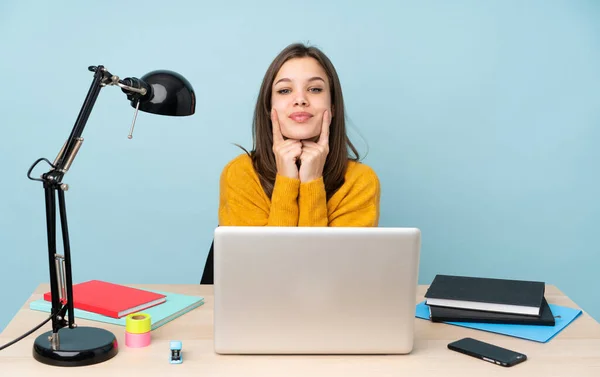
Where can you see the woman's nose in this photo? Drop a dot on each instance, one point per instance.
(300, 100)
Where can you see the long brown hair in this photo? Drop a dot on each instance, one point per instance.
(263, 158)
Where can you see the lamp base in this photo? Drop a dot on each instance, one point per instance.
(79, 346)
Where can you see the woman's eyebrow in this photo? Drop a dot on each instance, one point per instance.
(282, 80)
(315, 78)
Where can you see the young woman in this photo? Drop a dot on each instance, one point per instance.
(300, 171)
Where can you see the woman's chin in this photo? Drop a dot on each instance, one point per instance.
(300, 135)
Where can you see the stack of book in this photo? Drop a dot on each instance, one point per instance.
(107, 302)
(111, 300)
(488, 300)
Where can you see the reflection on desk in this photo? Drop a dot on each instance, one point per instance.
(574, 352)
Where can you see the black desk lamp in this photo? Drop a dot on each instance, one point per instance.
(158, 92)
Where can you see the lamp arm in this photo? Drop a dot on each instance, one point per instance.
(61, 283)
(67, 154)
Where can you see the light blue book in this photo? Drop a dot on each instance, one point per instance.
(175, 306)
(563, 316)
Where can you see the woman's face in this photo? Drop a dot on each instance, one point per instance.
(300, 95)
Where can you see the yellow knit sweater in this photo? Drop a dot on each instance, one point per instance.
(243, 201)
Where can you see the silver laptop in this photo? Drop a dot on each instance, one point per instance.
(307, 290)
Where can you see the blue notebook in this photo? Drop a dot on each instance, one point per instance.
(563, 317)
(175, 306)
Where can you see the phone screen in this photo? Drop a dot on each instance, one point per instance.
(487, 352)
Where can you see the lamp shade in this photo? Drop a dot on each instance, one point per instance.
(169, 93)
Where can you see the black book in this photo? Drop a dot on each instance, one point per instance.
(441, 314)
(487, 294)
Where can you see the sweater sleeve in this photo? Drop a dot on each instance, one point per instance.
(284, 202)
(312, 203)
(242, 201)
(360, 206)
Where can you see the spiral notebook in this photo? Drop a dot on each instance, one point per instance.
(175, 306)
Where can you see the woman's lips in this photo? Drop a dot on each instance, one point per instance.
(300, 117)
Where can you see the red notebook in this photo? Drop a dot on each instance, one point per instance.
(111, 300)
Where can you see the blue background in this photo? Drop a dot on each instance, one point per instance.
(482, 119)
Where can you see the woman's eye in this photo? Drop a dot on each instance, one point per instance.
(316, 90)
(283, 91)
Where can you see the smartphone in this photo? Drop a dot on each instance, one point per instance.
(488, 352)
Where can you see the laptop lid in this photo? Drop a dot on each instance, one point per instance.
(315, 290)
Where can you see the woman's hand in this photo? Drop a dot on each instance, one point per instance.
(286, 152)
(312, 159)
